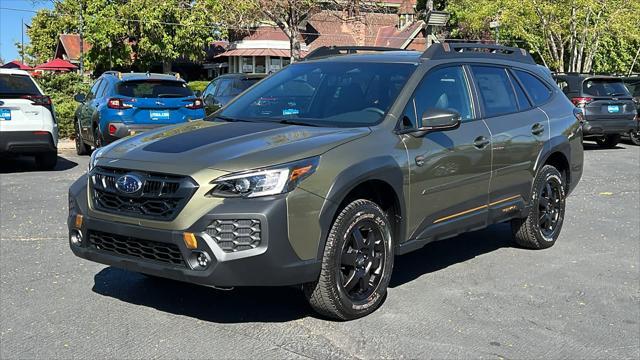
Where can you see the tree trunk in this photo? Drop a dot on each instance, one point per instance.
(166, 66)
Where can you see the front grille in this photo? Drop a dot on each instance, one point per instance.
(138, 248)
(235, 234)
(160, 198)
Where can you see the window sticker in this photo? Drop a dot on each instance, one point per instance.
(286, 112)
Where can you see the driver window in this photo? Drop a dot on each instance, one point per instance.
(444, 88)
(210, 90)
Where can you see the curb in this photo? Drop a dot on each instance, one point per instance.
(66, 144)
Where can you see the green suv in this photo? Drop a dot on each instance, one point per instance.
(320, 174)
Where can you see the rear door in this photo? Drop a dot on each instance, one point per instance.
(17, 112)
(155, 101)
(518, 132)
(87, 110)
(610, 99)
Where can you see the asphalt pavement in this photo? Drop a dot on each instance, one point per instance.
(473, 296)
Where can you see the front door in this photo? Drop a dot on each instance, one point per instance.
(449, 170)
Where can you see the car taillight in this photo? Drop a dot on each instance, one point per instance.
(581, 101)
(42, 100)
(195, 104)
(118, 104)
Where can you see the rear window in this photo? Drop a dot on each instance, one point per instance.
(604, 87)
(154, 89)
(11, 84)
(538, 91)
(495, 89)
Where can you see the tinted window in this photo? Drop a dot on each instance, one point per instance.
(444, 88)
(101, 91)
(94, 89)
(324, 93)
(154, 89)
(495, 90)
(604, 87)
(17, 85)
(523, 102)
(210, 90)
(224, 87)
(538, 91)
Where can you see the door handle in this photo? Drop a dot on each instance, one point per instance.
(537, 129)
(481, 142)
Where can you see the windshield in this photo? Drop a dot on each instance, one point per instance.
(13, 84)
(341, 94)
(604, 87)
(154, 89)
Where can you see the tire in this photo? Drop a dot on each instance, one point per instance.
(634, 137)
(608, 141)
(46, 161)
(98, 142)
(356, 264)
(541, 228)
(81, 147)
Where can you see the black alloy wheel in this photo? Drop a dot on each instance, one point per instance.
(362, 260)
(634, 136)
(550, 207)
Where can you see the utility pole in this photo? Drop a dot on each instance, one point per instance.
(22, 40)
(81, 39)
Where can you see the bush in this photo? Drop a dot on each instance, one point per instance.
(61, 88)
(198, 85)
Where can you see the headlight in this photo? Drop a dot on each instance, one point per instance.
(270, 181)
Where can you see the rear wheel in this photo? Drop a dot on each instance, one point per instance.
(357, 263)
(608, 141)
(81, 147)
(634, 136)
(541, 228)
(47, 160)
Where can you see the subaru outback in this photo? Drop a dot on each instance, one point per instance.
(372, 156)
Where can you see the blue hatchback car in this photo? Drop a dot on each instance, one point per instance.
(123, 104)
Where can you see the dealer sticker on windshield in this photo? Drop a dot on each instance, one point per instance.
(286, 112)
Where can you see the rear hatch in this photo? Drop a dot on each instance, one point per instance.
(607, 99)
(157, 101)
(17, 109)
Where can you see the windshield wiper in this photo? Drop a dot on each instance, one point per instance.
(294, 122)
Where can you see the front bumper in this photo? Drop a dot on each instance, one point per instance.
(608, 127)
(26, 142)
(272, 263)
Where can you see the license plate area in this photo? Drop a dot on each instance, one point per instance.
(613, 109)
(159, 115)
(5, 114)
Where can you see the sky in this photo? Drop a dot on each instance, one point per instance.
(10, 21)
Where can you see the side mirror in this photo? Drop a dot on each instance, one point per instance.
(79, 97)
(198, 93)
(438, 120)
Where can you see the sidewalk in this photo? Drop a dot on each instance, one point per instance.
(66, 144)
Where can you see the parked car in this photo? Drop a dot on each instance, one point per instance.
(381, 154)
(633, 85)
(224, 88)
(27, 120)
(123, 104)
(609, 110)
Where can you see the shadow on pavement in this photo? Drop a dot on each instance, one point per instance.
(279, 304)
(590, 146)
(19, 164)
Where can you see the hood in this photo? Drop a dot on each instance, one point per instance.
(226, 146)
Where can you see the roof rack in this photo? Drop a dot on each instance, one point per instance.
(440, 51)
(117, 74)
(326, 51)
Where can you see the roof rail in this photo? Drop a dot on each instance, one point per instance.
(327, 51)
(117, 74)
(440, 51)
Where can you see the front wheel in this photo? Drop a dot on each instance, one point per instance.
(634, 136)
(541, 228)
(356, 265)
(608, 141)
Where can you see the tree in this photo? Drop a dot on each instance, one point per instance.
(567, 35)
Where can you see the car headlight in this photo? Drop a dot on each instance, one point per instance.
(269, 181)
(94, 158)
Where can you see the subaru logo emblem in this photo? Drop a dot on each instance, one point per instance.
(128, 184)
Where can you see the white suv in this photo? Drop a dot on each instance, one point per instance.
(27, 121)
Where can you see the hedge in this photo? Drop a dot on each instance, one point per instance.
(198, 85)
(61, 88)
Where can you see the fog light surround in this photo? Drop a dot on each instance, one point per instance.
(75, 237)
(202, 259)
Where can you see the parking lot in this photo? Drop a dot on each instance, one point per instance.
(474, 296)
